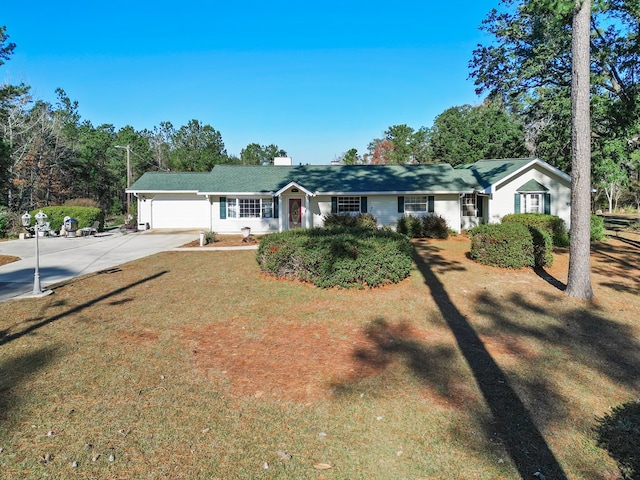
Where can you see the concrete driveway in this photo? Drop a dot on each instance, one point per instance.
(65, 258)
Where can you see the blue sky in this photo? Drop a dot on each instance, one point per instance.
(315, 79)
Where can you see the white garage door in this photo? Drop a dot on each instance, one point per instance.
(180, 212)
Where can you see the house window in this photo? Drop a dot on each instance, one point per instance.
(350, 205)
(249, 208)
(469, 205)
(418, 204)
(533, 203)
(267, 208)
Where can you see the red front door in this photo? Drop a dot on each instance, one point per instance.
(295, 212)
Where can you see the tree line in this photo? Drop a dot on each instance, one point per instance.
(49, 154)
(524, 72)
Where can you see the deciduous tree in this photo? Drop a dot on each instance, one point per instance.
(399, 145)
(467, 134)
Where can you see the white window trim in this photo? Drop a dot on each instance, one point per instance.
(527, 201)
(348, 201)
(416, 203)
(465, 204)
(234, 207)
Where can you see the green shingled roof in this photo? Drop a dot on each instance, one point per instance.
(489, 172)
(334, 179)
(532, 186)
(171, 182)
(325, 179)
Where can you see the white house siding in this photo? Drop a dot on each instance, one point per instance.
(234, 225)
(322, 207)
(385, 209)
(502, 202)
(180, 211)
(144, 211)
(448, 206)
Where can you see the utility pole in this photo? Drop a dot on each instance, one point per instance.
(128, 149)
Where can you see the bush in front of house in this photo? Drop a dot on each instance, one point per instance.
(618, 432)
(552, 224)
(361, 220)
(511, 245)
(345, 257)
(85, 216)
(426, 226)
(5, 222)
(598, 232)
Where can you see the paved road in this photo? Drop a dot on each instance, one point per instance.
(65, 258)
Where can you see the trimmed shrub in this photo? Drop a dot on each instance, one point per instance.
(618, 433)
(409, 226)
(509, 245)
(86, 216)
(598, 232)
(337, 257)
(5, 222)
(361, 220)
(82, 202)
(426, 226)
(209, 237)
(542, 247)
(553, 225)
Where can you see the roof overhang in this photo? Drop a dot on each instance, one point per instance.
(535, 161)
(136, 191)
(238, 194)
(294, 185)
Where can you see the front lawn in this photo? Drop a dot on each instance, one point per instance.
(196, 365)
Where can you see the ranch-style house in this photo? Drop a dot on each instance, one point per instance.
(280, 197)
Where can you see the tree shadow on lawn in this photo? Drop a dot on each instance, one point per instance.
(596, 342)
(511, 420)
(6, 337)
(618, 260)
(15, 371)
(432, 365)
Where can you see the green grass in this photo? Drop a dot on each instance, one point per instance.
(118, 361)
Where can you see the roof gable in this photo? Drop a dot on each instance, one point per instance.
(532, 186)
(490, 173)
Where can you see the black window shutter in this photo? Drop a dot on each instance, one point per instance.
(223, 208)
(334, 204)
(276, 200)
(431, 208)
(401, 204)
(363, 204)
(547, 203)
(480, 206)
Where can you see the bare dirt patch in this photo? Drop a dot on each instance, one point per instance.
(306, 363)
(226, 241)
(5, 259)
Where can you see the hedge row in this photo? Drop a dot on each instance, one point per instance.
(86, 216)
(426, 226)
(598, 231)
(551, 224)
(337, 257)
(361, 220)
(511, 245)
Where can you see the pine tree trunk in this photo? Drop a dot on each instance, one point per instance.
(579, 279)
